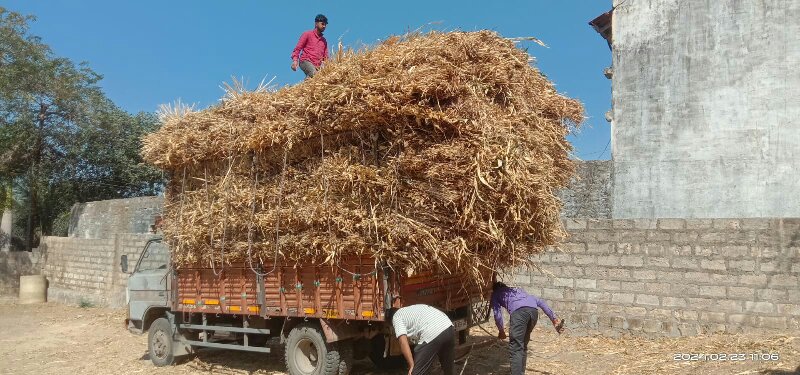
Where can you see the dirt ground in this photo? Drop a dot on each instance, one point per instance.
(57, 339)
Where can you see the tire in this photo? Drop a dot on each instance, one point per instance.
(345, 349)
(307, 353)
(378, 344)
(159, 343)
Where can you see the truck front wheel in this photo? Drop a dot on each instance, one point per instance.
(159, 343)
(307, 353)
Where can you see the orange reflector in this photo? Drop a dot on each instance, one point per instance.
(212, 302)
(253, 309)
(234, 308)
(368, 314)
(188, 301)
(309, 311)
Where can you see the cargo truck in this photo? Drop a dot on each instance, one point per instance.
(324, 316)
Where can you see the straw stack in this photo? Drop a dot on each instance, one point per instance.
(436, 150)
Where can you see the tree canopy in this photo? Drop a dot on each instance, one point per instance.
(62, 140)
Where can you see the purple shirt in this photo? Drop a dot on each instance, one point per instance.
(513, 299)
(313, 46)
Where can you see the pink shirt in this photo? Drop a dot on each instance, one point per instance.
(313, 46)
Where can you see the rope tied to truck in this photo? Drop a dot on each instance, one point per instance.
(254, 176)
(211, 231)
(180, 209)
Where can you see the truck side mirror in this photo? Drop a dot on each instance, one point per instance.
(123, 263)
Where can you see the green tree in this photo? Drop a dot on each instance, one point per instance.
(61, 140)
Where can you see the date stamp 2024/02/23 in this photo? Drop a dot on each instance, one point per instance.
(731, 357)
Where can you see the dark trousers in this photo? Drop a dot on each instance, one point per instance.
(519, 333)
(443, 346)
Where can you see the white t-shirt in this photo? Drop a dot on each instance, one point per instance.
(420, 323)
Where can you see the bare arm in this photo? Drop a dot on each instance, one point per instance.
(405, 348)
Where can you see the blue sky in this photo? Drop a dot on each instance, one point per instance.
(152, 52)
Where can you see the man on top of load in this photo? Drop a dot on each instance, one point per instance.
(312, 48)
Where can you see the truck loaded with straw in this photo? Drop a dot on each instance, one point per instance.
(421, 167)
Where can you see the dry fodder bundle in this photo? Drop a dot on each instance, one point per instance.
(430, 150)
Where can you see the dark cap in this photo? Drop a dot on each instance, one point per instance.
(321, 18)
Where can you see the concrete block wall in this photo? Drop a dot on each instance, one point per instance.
(673, 276)
(77, 269)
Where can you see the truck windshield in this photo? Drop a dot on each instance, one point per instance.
(155, 256)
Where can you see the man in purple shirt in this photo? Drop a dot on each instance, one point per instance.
(523, 309)
(312, 48)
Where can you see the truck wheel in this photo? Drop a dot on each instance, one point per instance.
(346, 349)
(159, 343)
(377, 346)
(307, 353)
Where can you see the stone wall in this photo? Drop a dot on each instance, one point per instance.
(589, 193)
(103, 219)
(674, 276)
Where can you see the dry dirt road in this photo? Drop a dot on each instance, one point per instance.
(56, 339)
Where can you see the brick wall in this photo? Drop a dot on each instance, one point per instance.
(674, 276)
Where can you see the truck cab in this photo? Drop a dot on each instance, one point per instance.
(147, 293)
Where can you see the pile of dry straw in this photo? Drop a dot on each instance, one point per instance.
(434, 150)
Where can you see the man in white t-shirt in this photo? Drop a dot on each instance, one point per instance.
(432, 332)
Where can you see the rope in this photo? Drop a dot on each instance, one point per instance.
(377, 236)
(325, 184)
(210, 215)
(180, 210)
(253, 214)
(210, 211)
(375, 271)
(224, 223)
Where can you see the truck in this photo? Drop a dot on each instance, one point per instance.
(324, 316)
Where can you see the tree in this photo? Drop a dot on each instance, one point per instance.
(61, 140)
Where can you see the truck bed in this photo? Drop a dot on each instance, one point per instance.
(354, 290)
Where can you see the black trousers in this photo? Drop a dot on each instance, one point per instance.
(443, 346)
(522, 322)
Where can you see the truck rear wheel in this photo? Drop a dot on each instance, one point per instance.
(159, 343)
(307, 353)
